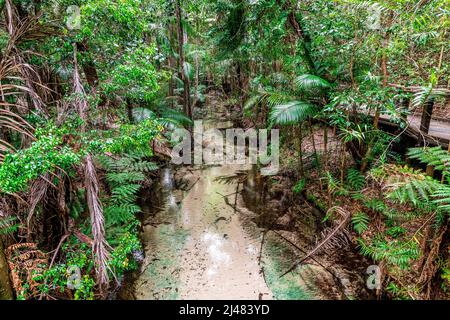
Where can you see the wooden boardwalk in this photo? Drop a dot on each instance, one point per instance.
(438, 134)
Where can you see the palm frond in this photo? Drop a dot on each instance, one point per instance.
(100, 246)
(292, 112)
(427, 93)
(311, 83)
(175, 117)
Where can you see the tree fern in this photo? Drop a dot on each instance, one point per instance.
(125, 175)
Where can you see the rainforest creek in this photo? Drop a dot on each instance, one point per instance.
(341, 107)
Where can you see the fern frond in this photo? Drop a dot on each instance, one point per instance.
(171, 116)
(125, 194)
(355, 179)
(8, 225)
(130, 164)
(360, 222)
(118, 178)
(376, 205)
(434, 156)
(121, 214)
(396, 252)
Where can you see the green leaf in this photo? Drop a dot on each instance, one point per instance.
(292, 112)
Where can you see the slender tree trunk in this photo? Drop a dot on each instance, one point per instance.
(325, 146)
(384, 70)
(196, 81)
(299, 30)
(172, 63)
(300, 149)
(6, 292)
(311, 130)
(240, 82)
(342, 167)
(186, 92)
(171, 87)
(365, 160)
(129, 103)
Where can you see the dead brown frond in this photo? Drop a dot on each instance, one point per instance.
(100, 246)
(17, 77)
(38, 191)
(330, 236)
(13, 121)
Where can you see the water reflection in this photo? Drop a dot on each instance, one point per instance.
(215, 246)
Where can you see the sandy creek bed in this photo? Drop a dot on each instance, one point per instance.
(197, 246)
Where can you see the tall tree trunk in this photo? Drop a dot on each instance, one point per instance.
(6, 292)
(172, 63)
(196, 81)
(384, 70)
(171, 92)
(299, 30)
(186, 92)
